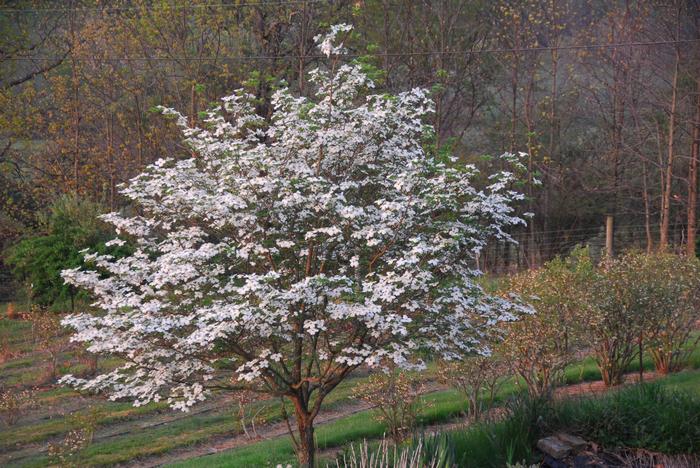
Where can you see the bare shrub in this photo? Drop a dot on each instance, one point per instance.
(46, 330)
(539, 346)
(478, 378)
(88, 360)
(6, 351)
(67, 452)
(644, 298)
(669, 304)
(396, 397)
(14, 402)
(246, 415)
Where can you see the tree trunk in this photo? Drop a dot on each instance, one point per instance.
(193, 104)
(530, 170)
(668, 183)
(647, 209)
(76, 110)
(693, 179)
(514, 90)
(302, 48)
(306, 451)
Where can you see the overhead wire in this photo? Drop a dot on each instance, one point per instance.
(186, 6)
(368, 54)
(601, 226)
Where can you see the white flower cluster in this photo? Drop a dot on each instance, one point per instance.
(326, 44)
(289, 252)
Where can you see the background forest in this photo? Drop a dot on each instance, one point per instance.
(604, 96)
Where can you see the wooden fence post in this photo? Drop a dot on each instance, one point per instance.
(609, 236)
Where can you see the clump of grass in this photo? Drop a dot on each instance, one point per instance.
(643, 416)
(435, 451)
(501, 443)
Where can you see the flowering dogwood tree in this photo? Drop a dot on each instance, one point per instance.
(283, 254)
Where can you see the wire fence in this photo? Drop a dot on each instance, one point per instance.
(533, 249)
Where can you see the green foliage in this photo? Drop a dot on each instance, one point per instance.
(649, 297)
(481, 445)
(69, 226)
(370, 65)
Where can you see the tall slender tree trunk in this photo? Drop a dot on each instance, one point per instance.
(549, 162)
(693, 178)
(514, 81)
(668, 174)
(439, 114)
(386, 35)
(530, 169)
(302, 48)
(75, 104)
(193, 104)
(647, 209)
(619, 103)
(111, 162)
(139, 121)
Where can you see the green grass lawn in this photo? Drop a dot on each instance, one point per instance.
(15, 333)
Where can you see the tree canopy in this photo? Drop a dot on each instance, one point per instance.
(284, 254)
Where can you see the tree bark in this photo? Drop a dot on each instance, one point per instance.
(693, 179)
(302, 48)
(306, 451)
(668, 175)
(647, 209)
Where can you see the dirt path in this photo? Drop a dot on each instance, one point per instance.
(597, 386)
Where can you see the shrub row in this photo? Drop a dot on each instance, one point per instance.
(616, 310)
